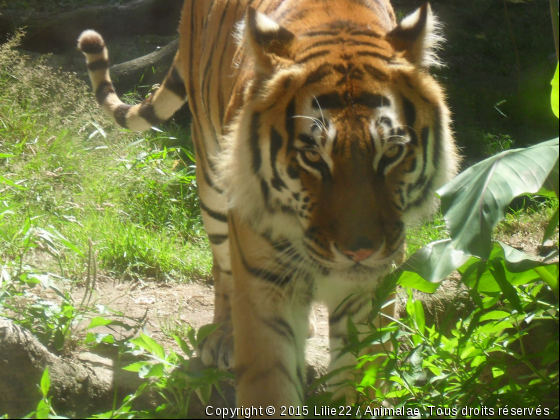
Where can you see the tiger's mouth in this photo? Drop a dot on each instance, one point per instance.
(333, 259)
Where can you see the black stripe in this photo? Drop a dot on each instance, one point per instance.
(97, 65)
(284, 370)
(328, 101)
(217, 239)
(312, 56)
(276, 142)
(372, 100)
(366, 33)
(373, 54)
(265, 191)
(307, 140)
(376, 73)
(209, 180)
(214, 214)
(104, 89)
(293, 170)
(148, 112)
(321, 33)
(319, 74)
(409, 112)
(331, 41)
(281, 327)
(422, 180)
(175, 84)
(278, 280)
(254, 142)
(355, 43)
(351, 307)
(120, 114)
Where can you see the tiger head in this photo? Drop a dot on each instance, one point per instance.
(343, 137)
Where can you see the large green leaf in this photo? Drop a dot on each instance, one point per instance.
(476, 200)
(426, 268)
(519, 268)
(554, 96)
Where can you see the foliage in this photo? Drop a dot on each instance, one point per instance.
(63, 171)
(555, 93)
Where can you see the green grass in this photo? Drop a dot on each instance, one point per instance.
(70, 170)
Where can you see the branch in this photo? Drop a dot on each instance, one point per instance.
(57, 32)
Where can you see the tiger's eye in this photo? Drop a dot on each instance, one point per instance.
(312, 156)
(393, 151)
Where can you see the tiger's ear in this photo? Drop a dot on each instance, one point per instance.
(270, 43)
(418, 37)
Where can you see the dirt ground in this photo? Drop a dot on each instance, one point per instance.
(169, 308)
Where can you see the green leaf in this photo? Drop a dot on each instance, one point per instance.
(519, 268)
(551, 187)
(135, 367)
(426, 268)
(476, 200)
(98, 322)
(551, 227)
(156, 371)
(205, 331)
(495, 315)
(204, 393)
(99, 338)
(508, 290)
(497, 371)
(149, 344)
(184, 346)
(419, 317)
(43, 410)
(554, 96)
(45, 382)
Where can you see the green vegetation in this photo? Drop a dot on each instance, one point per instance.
(68, 180)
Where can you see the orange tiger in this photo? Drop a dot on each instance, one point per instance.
(319, 135)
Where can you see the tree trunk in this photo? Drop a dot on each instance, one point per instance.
(127, 75)
(57, 32)
(79, 387)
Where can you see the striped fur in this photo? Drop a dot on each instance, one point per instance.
(319, 136)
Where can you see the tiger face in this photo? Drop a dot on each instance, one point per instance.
(347, 147)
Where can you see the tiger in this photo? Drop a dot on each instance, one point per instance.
(319, 135)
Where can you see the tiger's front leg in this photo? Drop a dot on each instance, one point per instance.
(356, 306)
(270, 311)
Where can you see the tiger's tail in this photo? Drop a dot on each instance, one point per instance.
(157, 108)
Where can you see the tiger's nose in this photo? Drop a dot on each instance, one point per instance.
(361, 249)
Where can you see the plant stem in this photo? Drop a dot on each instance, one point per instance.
(549, 279)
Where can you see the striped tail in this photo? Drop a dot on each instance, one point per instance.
(157, 108)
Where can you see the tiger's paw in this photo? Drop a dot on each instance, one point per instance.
(217, 349)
